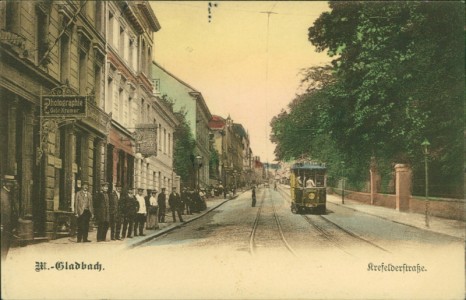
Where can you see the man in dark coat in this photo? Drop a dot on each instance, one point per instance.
(174, 201)
(131, 208)
(84, 210)
(162, 202)
(185, 199)
(253, 196)
(102, 212)
(115, 218)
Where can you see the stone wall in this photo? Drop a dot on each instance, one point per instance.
(439, 207)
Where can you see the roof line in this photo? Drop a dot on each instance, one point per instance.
(171, 74)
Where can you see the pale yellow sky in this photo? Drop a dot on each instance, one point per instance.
(228, 59)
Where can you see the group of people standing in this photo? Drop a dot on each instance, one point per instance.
(125, 213)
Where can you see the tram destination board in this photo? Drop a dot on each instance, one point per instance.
(64, 106)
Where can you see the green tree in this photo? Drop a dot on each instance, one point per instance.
(399, 77)
(183, 149)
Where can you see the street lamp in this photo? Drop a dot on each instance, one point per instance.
(342, 182)
(198, 160)
(425, 150)
(235, 173)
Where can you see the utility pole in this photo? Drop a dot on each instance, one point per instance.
(267, 64)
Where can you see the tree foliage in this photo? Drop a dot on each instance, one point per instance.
(397, 77)
(183, 148)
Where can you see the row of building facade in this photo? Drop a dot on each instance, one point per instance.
(81, 99)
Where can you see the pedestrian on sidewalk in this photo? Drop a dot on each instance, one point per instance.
(102, 212)
(253, 194)
(152, 211)
(115, 217)
(186, 201)
(130, 206)
(141, 213)
(192, 201)
(84, 211)
(162, 201)
(174, 201)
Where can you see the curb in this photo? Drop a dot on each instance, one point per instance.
(173, 227)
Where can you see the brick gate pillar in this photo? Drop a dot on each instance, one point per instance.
(403, 186)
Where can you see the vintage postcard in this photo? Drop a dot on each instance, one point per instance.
(232, 149)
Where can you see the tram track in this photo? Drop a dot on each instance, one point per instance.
(252, 244)
(328, 235)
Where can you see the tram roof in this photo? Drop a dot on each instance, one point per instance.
(308, 166)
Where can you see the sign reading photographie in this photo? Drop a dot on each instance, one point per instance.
(146, 139)
(64, 106)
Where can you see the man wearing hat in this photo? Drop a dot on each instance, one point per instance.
(141, 214)
(115, 218)
(129, 207)
(84, 210)
(162, 201)
(175, 204)
(102, 212)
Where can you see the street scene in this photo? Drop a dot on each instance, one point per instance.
(232, 150)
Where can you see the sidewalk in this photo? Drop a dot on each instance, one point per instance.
(169, 225)
(452, 228)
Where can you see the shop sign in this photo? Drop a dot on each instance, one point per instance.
(146, 139)
(63, 106)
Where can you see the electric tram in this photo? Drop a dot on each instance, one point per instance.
(308, 187)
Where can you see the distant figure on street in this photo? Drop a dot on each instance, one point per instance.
(84, 211)
(102, 212)
(152, 210)
(174, 201)
(115, 219)
(162, 201)
(253, 194)
(141, 213)
(275, 185)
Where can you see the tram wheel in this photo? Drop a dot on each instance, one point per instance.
(293, 209)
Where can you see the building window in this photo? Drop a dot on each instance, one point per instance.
(122, 43)
(169, 145)
(164, 141)
(82, 73)
(98, 16)
(109, 96)
(130, 53)
(111, 21)
(149, 60)
(160, 137)
(130, 109)
(119, 113)
(12, 20)
(42, 35)
(97, 83)
(64, 58)
(142, 111)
